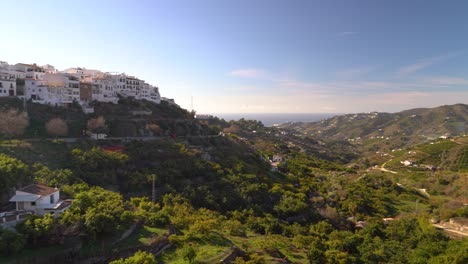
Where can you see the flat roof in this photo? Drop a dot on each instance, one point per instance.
(25, 198)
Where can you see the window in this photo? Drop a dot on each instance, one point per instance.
(1, 84)
(52, 200)
(33, 203)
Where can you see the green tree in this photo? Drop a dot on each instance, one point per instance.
(42, 174)
(11, 242)
(189, 254)
(140, 257)
(98, 211)
(13, 172)
(38, 229)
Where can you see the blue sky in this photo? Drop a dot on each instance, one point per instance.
(257, 56)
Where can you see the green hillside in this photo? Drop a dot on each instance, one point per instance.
(413, 125)
(129, 118)
(219, 196)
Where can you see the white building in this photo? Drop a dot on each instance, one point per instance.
(47, 85)
(83, 73)
(104, 89)
(62, 88)
(406, 162)
(148, 92)
(31, 71)
(39, 199)
(133, 87)
(7, 84)
(155, 96)
(36, 91)
(119, 81)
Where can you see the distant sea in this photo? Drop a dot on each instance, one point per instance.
(271, 119)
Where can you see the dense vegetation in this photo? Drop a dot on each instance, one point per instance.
(218, 196)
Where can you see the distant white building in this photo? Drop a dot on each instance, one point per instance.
(149, 93)
(277, 158)
(103, 89)
(62, 88)
(47, 85)
(406, 162)
(7, 84)
(36, 91)
(39, 199)
(29, 71)
(119, 82)
(132, 88)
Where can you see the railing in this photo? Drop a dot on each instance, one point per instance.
(13, 217)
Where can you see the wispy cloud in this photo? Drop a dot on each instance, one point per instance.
(249, 73)
(425, 63)
(448, 81)
(346, 33)
(355, 72)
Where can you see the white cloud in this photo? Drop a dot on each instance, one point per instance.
(448, 81)
(425, 63)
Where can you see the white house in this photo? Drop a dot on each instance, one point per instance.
(39, 199)
(119, 81)
(36, 91)
(277, 158)
(7, 84)
(406, 162)
(132, 87)
(31, 71)
(148, 92)
(103, 89)
(62, 88)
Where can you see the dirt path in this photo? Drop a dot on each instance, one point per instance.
(382, 168)
(449, 230)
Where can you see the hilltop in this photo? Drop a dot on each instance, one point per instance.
(402, 128)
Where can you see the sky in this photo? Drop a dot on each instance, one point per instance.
(257, 56)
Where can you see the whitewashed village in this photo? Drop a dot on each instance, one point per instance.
(47, 85)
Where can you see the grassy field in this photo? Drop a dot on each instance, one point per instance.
(142, 237)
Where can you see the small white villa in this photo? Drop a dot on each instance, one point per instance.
(39, 199)
(33, 199)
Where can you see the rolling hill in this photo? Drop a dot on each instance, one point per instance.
(415, 125)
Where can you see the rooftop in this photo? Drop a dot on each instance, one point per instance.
(38, 189)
